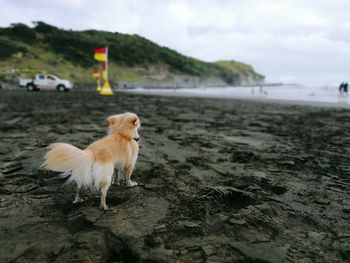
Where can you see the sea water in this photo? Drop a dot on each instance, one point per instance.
(284, 92)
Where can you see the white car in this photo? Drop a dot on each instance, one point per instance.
(46, 82)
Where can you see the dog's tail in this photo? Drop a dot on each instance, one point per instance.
(72, 162)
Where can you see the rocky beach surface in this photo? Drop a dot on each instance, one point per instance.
(220, 181)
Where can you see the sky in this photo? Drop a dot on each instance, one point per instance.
(290, 41)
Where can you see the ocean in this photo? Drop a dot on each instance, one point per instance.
(302, 93)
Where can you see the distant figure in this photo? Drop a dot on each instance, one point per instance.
(343, 89)
(262, 91)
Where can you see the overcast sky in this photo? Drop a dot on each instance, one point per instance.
(304, 41)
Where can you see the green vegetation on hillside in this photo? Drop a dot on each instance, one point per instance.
(70, 54)
(242, 69)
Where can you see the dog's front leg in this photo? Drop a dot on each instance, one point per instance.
(117, 179)
(128, 173)
(121, 175)
(113, 179)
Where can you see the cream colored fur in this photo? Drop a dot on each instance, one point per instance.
(94, 166)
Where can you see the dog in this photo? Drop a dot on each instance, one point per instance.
(94, 166)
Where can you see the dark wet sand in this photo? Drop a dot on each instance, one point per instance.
(221, 181)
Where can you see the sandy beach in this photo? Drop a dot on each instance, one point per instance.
(221, 180)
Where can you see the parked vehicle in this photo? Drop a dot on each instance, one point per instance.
(45, 82)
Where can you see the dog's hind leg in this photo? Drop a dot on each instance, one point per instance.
(103, 177)
(78, 199)
(104, 185)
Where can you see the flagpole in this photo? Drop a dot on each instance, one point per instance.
(106, 88)
(106, 63)
(99, 81)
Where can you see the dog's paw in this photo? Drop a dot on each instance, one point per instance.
(130, 183)
(104, 207)
(78, 200)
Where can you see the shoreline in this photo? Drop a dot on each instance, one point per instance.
(180, 94)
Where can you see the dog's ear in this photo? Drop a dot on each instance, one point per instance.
(134, 120)
(111, 120)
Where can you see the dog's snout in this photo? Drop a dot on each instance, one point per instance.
(137, 139)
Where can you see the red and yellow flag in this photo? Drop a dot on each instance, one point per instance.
(96, 73)
(100, 54)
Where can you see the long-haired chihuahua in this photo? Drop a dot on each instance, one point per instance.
(93, 167)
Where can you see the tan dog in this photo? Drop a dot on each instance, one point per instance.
(94, 166)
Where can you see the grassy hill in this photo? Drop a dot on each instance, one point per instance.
(69, 54)
(244, 71)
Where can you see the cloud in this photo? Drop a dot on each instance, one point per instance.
(290, 39)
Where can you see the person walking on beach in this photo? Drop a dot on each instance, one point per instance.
(343, 89)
